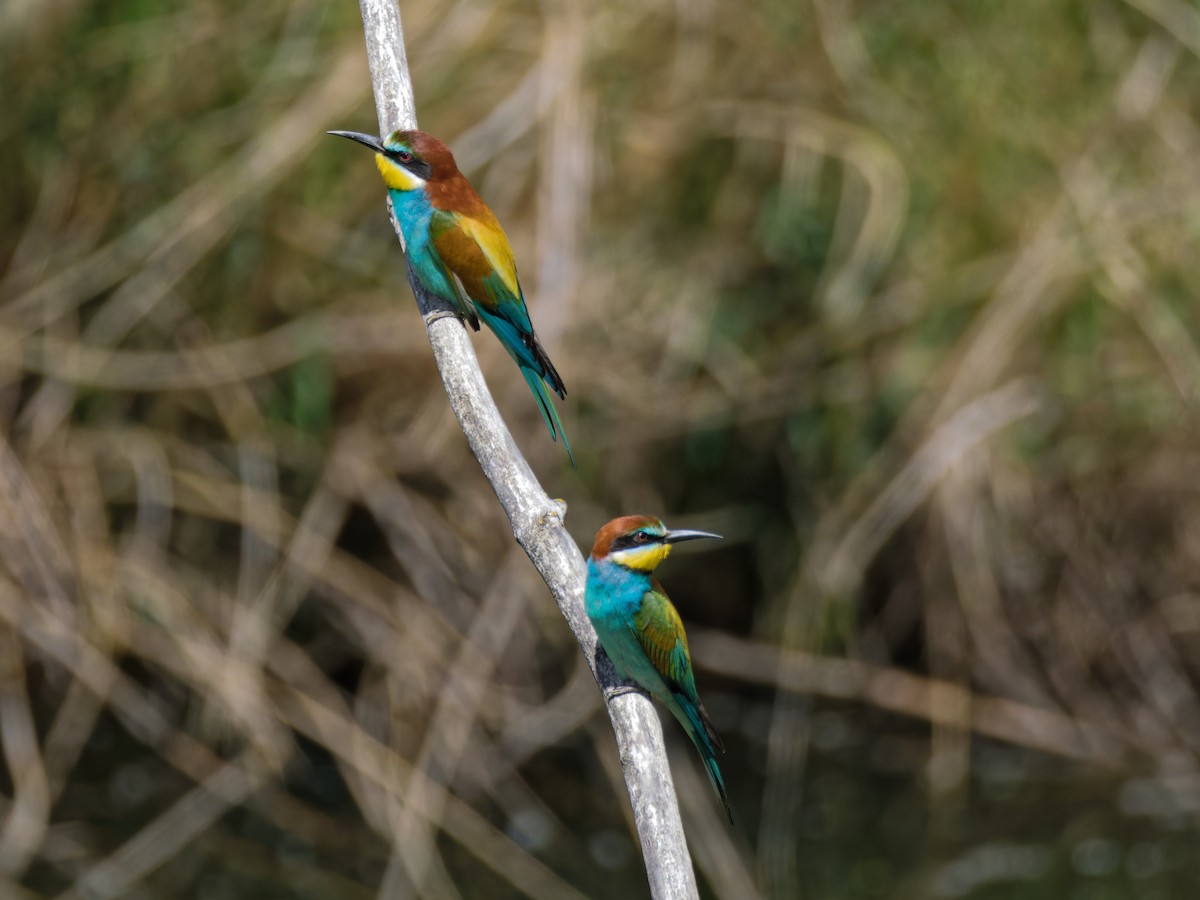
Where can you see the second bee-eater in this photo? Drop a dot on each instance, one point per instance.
(459, 252)
(640, 630)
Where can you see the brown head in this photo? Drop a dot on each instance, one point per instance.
(408, 160)
(421, 153)
(639, 542)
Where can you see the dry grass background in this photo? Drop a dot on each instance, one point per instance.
(899, 297)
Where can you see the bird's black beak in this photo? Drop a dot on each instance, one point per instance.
(367, 140)
(675, 537)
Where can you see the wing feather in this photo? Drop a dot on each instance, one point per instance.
(478, 252)
(493, 243)
(660, 632)
(475, 249)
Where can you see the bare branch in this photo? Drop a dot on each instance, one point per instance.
(536, 519)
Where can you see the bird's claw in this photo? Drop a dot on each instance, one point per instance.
(434, 314)
(617, 690)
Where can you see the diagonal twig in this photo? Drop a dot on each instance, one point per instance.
(536, 520)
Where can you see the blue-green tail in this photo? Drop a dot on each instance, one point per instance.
(699, 728)
(714, 775)
(546, 405)
(523, 346)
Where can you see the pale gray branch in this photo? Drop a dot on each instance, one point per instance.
(536, 519)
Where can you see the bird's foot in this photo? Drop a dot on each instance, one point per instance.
(618, 690)
(434, 314)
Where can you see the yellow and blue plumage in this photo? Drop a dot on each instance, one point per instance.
(459, 252)
(640, 629)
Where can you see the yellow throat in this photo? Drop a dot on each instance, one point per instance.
(395, 177)
(642, 559)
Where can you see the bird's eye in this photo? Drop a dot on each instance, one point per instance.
(403, 156)
(641, 537)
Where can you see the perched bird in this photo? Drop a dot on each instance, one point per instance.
(640, 630)
(460, 253)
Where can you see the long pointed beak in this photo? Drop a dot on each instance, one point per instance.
(367, 140)
(675, 537)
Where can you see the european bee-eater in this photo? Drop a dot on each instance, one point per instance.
(640, 630)
(460, 253)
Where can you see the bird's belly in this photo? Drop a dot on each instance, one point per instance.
(414, 214)
(432, 274)
(630, 659)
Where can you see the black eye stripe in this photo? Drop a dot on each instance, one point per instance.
(637, 539)
(418, 167)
